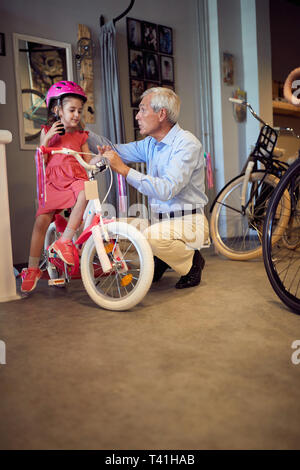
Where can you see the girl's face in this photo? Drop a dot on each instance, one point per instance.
(70, 112)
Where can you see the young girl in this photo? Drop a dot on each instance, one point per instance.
(65, 177)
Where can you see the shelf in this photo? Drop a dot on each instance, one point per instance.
(280, 107)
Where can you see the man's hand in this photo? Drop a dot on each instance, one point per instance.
(116, 162)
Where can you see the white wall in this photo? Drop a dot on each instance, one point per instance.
(58, 20)
(239, 27)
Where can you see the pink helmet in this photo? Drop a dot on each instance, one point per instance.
(64, 88)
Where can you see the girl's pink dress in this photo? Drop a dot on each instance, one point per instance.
(65, 177)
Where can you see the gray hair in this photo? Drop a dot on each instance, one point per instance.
(164, 98)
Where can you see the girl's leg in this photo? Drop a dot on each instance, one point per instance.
(40, 228)
(75, 217)
(63, 246)
(31, 275)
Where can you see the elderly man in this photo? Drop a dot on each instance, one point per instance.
(174, 185)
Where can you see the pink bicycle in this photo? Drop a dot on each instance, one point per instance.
(114, 259)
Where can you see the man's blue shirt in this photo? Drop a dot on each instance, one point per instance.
(175, 170)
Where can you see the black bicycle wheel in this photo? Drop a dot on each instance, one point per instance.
(282, 260)
(35, 113)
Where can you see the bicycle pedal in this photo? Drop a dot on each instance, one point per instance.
(57, 282)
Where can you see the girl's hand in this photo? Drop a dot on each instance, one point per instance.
(54, 129)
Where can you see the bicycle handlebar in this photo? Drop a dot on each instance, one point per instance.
(245, 103)
(101, 165)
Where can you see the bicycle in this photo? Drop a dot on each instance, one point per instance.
(282, 259)
(116, 262)
(238, 211)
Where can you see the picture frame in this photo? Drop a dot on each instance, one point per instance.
(151, 64)
(151, 85)
(137, 88)
(165, 39)
(228, 68)
(137, 135)
(136, 63)
(149, 36)
(2, 44)
(134, 33)
(134, 113)
(167, 69)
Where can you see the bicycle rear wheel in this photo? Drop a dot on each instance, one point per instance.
(282, 259)
(237, 234)
(118, 289)
(35, 113)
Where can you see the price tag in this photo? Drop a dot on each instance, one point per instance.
(91, 190)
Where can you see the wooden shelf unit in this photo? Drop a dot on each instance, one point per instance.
(280, 107)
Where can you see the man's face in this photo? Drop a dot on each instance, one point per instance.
(148, 121)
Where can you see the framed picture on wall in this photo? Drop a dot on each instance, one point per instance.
(136, 63)
(151, 66)
(137, 135)
(134, 33)
(228, 68)
(151, 85)
(165, 39)
(149, 36)
(2, 44)
(136, 91)
(134, 113)
(167, 68)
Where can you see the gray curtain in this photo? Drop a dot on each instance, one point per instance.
(110, 102)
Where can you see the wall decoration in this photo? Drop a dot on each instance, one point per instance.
(136, 64)
(134, 33)
(228, 68)
(134, 113)
(2, 44)
(167, 69)
(85, 72)
(151, 85)
(137, 135)
(149, 36)
(137, 89)
(151, 66)
(165, 40)
(150, 59)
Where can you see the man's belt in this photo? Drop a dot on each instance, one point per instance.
(174, 214)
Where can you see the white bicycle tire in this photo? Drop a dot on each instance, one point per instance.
(146, 269)
(50, 237)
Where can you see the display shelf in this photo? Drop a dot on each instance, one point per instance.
(281, 107)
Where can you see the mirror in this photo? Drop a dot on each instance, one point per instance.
(38, 64)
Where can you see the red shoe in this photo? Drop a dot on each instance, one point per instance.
(64, 249)
(30, 278)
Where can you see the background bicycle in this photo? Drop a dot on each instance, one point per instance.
(282, 259)
(238, 211)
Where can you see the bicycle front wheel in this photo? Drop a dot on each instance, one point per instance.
(237, 233)
(282, 259)
(35, 113)
(118, 289)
